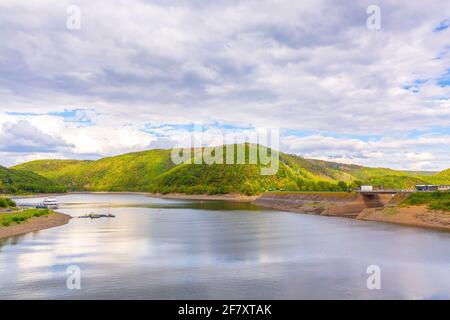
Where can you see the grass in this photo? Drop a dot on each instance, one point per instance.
(434, 200)
(9, 218)
(390, 211)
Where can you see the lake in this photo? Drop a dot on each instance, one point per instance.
(176, 249)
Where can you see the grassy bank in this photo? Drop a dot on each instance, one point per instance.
(16, 217)
(434, 200)
(6, 203)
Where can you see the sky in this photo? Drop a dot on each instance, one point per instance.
(135, 75)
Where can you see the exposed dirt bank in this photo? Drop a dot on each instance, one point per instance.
(380, 207)
(54, 219)
(417, 216)
(322, 203)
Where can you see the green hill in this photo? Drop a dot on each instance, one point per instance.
(154, 171)
(395, 182)
(442, 177)
(22, 181)
(128, 172)
(225, 178)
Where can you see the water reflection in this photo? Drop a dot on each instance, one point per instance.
(169, 249)
(216, 205)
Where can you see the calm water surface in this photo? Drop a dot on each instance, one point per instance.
(172, 249)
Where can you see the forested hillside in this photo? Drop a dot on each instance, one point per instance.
(22, 181)
(154, 171)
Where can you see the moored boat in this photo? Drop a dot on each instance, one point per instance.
(49, 203)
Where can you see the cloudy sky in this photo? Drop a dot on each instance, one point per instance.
(138, 74)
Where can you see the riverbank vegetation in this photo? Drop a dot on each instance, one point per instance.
(434, 200)
(16, 217)
(7, 203)
(395, 182)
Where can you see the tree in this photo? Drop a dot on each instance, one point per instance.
(342, 186)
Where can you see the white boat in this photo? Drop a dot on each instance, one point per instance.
(50, 203)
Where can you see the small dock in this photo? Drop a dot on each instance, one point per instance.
(27, 205)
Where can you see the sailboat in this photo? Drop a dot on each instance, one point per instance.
(109, 213)
(97, 216)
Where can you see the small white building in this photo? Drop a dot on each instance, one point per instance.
(366, 188)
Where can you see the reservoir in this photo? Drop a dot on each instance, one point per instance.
(183, 249)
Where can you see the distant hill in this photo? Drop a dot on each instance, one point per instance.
(154, 171)
(442, 177)
(21, 181)
(128, 172)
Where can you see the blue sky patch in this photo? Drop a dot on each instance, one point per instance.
(306, 133)
(443, 25)
(444, 81)
(190, 127)
(438, 131)
(70, 115)
(79, 116)
(415, 85)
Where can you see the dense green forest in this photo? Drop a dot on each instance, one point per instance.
(154, 171)
(22, 181)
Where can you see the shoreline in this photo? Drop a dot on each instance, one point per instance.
(233, 197)
(383, 209)
(411, 216)
(343, 205)
(55, 219)
(41, 195)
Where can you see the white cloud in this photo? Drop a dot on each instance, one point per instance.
(23, 137)
(421, 153)
(306, 66)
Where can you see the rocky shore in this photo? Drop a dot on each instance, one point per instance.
(341, 204)
(382, 207)
(416, 216)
